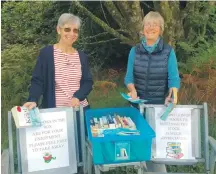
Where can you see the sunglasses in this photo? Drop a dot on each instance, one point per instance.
(67, 30)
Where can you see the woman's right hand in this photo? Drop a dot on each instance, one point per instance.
(30, 105)
(133, 94)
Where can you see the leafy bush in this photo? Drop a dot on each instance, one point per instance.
(199, 31)
(17, 64)
(22, 22)
(199, 85)
(206, 57)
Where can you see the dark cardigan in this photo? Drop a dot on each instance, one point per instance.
(43, 79)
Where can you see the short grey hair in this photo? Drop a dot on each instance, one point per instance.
(68, 18)
(154, 16)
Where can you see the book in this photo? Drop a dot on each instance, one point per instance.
(105, 122)
(167, 111)
(24, 118)
(174, 151)
(131, 123)
(170, 106)
(126, 125)
(127, 97)
(101, 123)
(122, 150)
(111, 122)
(125, 131)
(116, 124)
(118, 121)
(92, 123)
(121, 121)
(96, 122)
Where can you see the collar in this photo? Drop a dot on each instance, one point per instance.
(152, 46)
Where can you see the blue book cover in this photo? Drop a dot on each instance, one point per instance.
(26, 118)
(167, 111)
(122, 150)
(127, 97)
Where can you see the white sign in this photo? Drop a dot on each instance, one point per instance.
(173, 136)
(47, 146)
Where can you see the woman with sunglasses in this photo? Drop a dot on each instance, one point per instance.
(61, 73)
(152, 71)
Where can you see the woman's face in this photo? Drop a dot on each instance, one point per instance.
(68, 33)
(152, 30)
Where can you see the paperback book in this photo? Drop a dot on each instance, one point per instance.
(127, 97)
(26, 118)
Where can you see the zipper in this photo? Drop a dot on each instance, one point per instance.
(147, 76)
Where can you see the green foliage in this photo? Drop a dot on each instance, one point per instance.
(199, 31)
(17, 63)
(17, 66)
(22, 22)
(199, 168)
(198, 60)
(35, 23)
(31, 22)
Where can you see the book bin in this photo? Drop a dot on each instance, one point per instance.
(114, 148)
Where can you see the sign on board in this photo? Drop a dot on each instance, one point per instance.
(173, 136)
(51, 147)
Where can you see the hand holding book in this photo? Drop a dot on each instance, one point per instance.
(170, 102)
(30, 105)
(24, 117)
(129, 98)
(133, 94)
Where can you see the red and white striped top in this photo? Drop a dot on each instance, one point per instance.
(68, 74)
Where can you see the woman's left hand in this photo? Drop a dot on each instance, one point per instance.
(168, 100)
(75, 102)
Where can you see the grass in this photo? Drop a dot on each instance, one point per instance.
(107, 100)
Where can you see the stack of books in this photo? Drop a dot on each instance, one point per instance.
(174, 150)
(112, 124)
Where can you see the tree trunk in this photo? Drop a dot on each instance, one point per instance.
(173, 28)
(128, 16)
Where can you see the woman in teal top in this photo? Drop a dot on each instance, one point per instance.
(152, 71)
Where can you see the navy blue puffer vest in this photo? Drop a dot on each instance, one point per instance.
(151, 72)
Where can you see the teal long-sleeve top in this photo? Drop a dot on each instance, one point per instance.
(173, 74)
